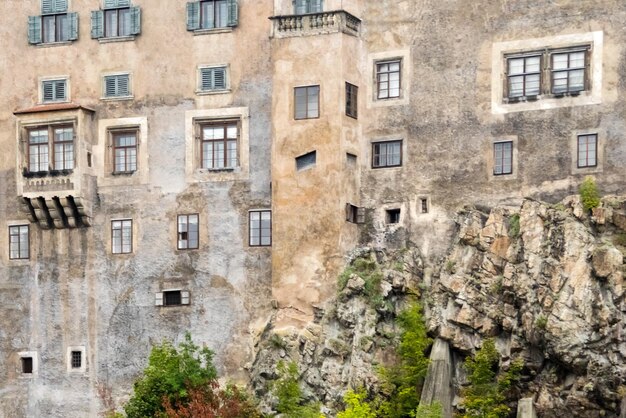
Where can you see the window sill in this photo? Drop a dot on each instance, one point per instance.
(116, 98)
(212, 92)
(226, 29)
(53, 44)
(218, 170)
(53, 102)
(123, 173)
(386, 166)
(116, 39)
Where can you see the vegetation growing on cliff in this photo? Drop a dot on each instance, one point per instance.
(485, 397)
(589, 194)
(290, 401)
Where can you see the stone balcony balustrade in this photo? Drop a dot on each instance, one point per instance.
(310, 24)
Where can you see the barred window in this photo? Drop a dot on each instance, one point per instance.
(76, 359)
(122, 236)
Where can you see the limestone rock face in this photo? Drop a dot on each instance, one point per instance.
(548, 286)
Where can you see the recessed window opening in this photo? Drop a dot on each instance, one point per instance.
(355, 214)
(307, 160)
(27, 365)
(424, 205)
(76, 359)
(352, 100)
(172, 297)
(393, 216)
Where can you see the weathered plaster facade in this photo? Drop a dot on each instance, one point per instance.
(450, 110)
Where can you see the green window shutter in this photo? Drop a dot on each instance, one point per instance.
(123, 3)
(123, 88)
(233, 13)
(219, 78)
(34, 29)
(59, 6)
(97, 26)
(110, 4)
(47, 6)
(60, 90)
(48, 91)
(193, 15)
(212, 79)
(73, 19)
(316, 6)
(135, 20)
(110, 86)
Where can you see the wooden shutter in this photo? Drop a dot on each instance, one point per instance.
(206, 79)
(233, 13)
(97, 24)
(59, 6)
(135, 20)
(47, 6)
(60, 92)
(110, 4)
(34, 29)
(219, 78)
(47, 91)
(73, 19)
(123, 3)
(123, 88)
(193, 15)
(184, 297)
(158, 300)
(110, 86)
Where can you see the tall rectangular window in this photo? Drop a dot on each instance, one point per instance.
(388, 79)
(260, 227)
(54, 24)
(351, 100)
(212, 14)
(27, 365)
(219, 144)
(524, 76)
(76, 359)
(54, 91)
(38, 151)
(122, 236)
(64, 148)
(117, 85)
(307, 102)
(19, 242)
(587, 150)
(387, 154)
(503, 158)
(568, 72)
(117, 22)
(188, 232)
(125, 152)
(56, 28)
(118, 19)
(42, 139)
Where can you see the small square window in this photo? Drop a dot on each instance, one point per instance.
(27, 365)
(352, 100)
(19, 242)
(305, 161)
(393, 216)
(260, 228)
(307, 102)
(76, 359)
(172, 297)
(388, 79)
(355, 214)
(387, 154)
(212, 79)
(122, 236)
(54, 91)
(503, 158)
(587, 150)
(116, 85)
(188, 232)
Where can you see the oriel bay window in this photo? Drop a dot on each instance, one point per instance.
(41, 139)
(219, 144)
(124, 151)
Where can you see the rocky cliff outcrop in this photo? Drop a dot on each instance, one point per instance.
(546, 281)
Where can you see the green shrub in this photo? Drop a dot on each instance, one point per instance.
(287, 390)
(541, 322)
(620, 239)
(429, 411)
(369, 271)
(485, 397)
(450, 267)
(357, 407)
(170, 373)
(514, 225)
(589, 194)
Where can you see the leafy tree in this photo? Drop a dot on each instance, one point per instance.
(485, 397)
(403, 382)
(287, 390)
(589, 193)
(433, 410)
(357, 407)
(213, 402)
(170, 374)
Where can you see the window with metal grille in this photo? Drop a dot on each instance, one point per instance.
(19, 242)
(188, 232)
(213, 78)
(122, 236)
(387, 154)
(53, 91)
(27, 365)
(117, 85)
(503, 158)
(260, 228)
(388, 79)
(587, 150)
(76, 359)
(219, 144)
(124, 151)
(307, 6)
(393, 216)
(172, 297)
(39, 158)
(307, 160)
(307, 102)
(212, 14)
(118, 19)
(351, 100)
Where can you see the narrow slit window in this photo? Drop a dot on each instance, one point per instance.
(352, 92)
(424, 205)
